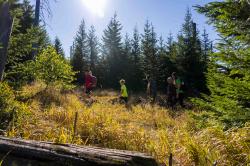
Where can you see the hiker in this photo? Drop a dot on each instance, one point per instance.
(90, 82)
(171, 92)
(148, 85)
(179, 85)
(151, 88)
(124, 93)
(93, 80)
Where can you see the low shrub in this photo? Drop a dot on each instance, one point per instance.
(10, 109)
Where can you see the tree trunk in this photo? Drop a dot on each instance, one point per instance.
(36, 24)
(5, 31)
(37, 13)
(20, 152)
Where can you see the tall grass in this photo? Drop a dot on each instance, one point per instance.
(145, 128)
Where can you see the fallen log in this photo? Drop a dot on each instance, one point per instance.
(23, 152)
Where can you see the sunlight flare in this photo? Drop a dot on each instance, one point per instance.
(96, 7)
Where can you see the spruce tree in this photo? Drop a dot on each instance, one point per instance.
(205, 45)
(92, 48)
(126, 60)
(171, 47)
(95, 63)
(164, 64)
(188, 59)
(58, 47)
(135, 48)
(136, 62)
(80, 54)
(149, 51)
(112, 51)
(27, 17)
(20, 45)
(229, 70)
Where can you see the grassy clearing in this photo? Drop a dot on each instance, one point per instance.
(145, 128)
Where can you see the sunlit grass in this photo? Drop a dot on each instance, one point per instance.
(145, 128)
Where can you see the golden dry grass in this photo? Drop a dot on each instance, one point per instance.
(145, 128)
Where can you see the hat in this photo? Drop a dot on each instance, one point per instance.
(122, 81)
(170, 79)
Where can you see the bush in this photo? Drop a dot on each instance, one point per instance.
(53, 69)
(6, 99)
(9, 107)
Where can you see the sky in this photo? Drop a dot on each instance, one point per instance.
(166, 15)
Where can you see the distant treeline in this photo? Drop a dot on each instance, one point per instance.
(114, 57)
(224, 73)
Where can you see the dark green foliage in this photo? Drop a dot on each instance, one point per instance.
(94, 62)
(127, 60)
(10, 109)
(93, 49)
(6, 100)
(229, 70)
(189, 56)
(20, 46)
(79, 57)
(138, 57)
(58, 47)
(53, 69)
(149, 51)
(137, 75)
(27, 18)
(165, 64)
(113, 53)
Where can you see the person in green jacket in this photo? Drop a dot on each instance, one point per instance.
(179, 84)
(124, 93)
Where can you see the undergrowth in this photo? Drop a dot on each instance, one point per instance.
(150, 129)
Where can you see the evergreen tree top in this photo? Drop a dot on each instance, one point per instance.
(231, 18)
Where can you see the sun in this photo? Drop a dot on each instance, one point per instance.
(96, 7)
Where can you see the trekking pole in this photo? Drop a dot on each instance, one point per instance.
(170, 161)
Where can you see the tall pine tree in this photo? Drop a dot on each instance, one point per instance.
(136, 62)
(189, 57)
(112, 51)
(229, 69)
(149, 51)
(79, 59)
(92, 49)
(164, 64)
(58, 47)
(23, 36)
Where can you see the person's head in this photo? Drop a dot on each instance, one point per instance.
(174, 75)
(86, 72)
(90, 72)
(122, 81)
(170, 80)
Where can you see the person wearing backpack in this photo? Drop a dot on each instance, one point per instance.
(93, 80)
(124, 93)
(90, 82)
(171, 93)
(179, 85)
(151, 88)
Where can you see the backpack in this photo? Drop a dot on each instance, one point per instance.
(94, 81)
(183, 86)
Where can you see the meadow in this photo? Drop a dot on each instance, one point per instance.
(50, 115)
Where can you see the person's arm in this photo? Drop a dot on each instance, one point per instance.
(174, 79)
(178, 87)
(177, 93)
(122, 90)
